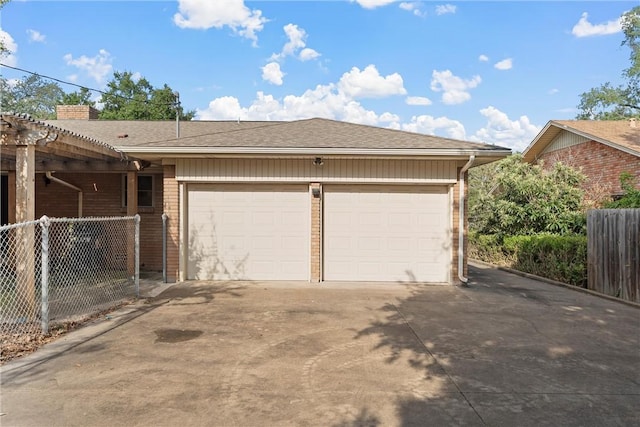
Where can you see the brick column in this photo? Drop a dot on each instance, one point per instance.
(455, 215)
(171, 207)
(316, 231)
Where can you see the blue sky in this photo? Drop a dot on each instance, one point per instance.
(481, 71)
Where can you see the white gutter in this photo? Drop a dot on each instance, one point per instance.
(66, 184)
(464, 169)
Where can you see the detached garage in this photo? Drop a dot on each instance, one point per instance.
(318, 200)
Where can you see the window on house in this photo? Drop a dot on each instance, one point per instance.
(145, 191)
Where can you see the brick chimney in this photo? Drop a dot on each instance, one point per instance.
(76, 112)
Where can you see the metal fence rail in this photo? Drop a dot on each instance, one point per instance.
(57, 269)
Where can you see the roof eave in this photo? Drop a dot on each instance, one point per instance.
(530, 154)
(357, 152)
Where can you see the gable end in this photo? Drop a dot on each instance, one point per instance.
(565, 139)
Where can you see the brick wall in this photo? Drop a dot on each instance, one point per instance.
(455, 217)
(102, 197)
(316, 234)
(600, 163)
(171, 207)
(76, 112)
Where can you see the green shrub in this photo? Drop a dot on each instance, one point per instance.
(487, 248)
(631, 196)
(561, 258)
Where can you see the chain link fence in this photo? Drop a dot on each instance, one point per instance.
(58, 269)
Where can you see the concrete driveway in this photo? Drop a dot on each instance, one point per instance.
(506, 351)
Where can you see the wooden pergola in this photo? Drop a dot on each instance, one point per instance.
(28, 146)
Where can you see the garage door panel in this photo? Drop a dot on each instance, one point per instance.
(386, 233)
(241, 232)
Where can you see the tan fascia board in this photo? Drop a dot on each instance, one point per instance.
(526, 154)
(182, 152)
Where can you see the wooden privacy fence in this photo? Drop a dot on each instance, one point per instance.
(613, 252)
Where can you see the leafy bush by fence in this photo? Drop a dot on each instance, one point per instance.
(561, 258)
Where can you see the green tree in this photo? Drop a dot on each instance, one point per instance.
(80, 97)
(630, 198)
(608, 102)
(513, 197)
(32, 95)
(3, 48)
(129, 99)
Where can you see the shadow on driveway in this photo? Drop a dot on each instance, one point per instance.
(505, 351)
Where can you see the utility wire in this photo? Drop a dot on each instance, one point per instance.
(84, 87)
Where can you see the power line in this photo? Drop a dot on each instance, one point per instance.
(87, 88)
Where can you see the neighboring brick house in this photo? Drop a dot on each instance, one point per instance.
(313, 200)
(602, 150)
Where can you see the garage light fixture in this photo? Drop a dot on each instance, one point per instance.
(318, 161)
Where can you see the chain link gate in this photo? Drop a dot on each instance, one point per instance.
(58, 269)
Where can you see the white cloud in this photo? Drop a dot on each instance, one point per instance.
(584, 28)
(9, 57)
(483, 58)
(223, 108)
(445, 8)
(372, 4)
(13, 82)
(500, 130)
(415, 7)
(368, 83)
(98, 67)
(323, 101)
(307, 54)
(454, 89)
(389, 118)
(417, 100)
(296, 45)
(296, 41)
(505, 64)
(205, 14)
(333, 101)
(431, 125)
(330, 101)
(272, 73)
(553, 91)
(72, 78)
(36, 36)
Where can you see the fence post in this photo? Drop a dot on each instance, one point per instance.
(44, 275)
(137, 255)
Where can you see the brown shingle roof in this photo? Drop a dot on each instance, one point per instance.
(310, 133)
(621, 134)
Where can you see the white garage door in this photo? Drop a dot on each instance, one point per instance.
(257, 232)
(386, 233)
